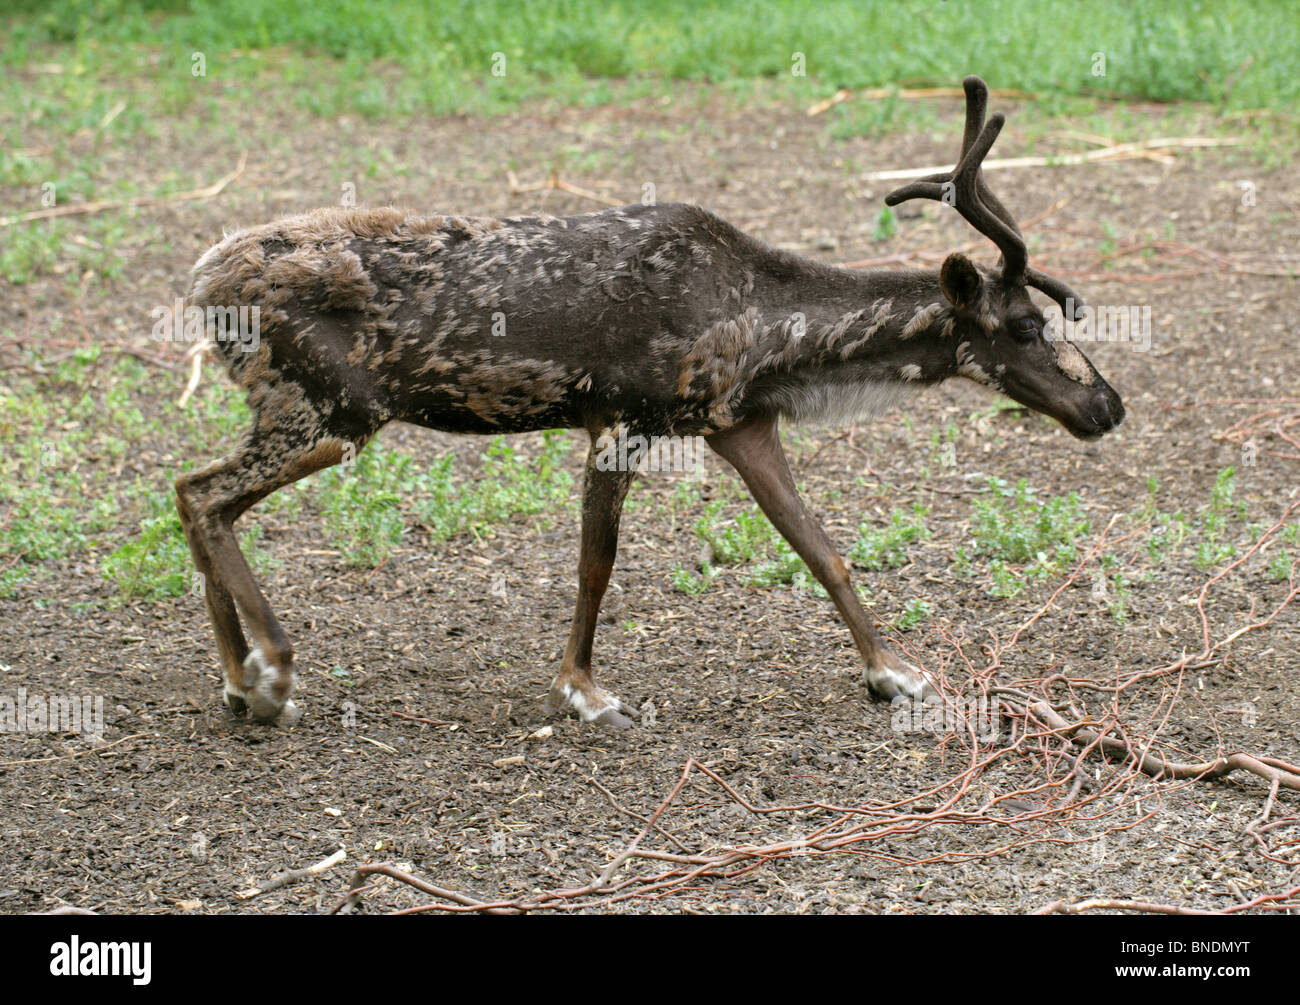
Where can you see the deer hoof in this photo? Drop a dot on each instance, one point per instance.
(612, 718)
(556, 701)
(236, 700)
(592, 705)
(268, 691)
(898, 679)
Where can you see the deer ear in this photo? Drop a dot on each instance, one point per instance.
(960, 281)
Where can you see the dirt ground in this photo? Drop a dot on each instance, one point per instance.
(192, 805)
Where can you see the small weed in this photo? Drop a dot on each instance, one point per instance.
(886, 547)
(155, 564)
(685, 581)
(1212, 550)
(886, 224)
(363, 505)
(913, 614)
(1014, 526)
(748, 538)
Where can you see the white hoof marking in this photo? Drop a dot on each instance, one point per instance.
(261, 696)
(588, 710)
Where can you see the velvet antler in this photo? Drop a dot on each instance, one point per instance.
(965, 190)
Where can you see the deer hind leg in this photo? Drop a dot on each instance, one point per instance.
(232, 647)
(603, 493)
(754, 450)
(209, 501)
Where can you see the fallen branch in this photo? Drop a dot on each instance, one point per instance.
(555, 182)
(1270, 902)
(1277, 772)
(294, 876)
(1117, 151)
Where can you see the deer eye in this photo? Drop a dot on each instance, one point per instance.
(1025, 329)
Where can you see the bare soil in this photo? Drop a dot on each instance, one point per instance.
(760, 684)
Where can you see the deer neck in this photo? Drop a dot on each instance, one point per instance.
(835, 325)
(843, 345)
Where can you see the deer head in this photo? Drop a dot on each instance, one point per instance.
(1003, 338)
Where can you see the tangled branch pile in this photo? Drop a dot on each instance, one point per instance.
(1088, 753)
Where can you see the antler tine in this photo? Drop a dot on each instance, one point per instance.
(965, 181)
(977, 204)
(930, 187)
(1058, 291)
(977, 99)
(977, 94)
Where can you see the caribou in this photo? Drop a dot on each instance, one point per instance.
(659, 320)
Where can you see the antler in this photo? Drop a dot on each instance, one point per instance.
(965, 190)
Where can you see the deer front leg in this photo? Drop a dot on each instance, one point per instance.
(753, 448)
(603, 493)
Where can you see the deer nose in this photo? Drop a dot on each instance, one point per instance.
(1111, 411)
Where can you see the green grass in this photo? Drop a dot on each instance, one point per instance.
(747, 536)
(1213, 548)
(81, 406)
(914, 612)
(406, 56)
(1012, 528)
(1013, 525)
(1283, 565)
(886, 547)
(156, 565)
(365, 508)
(1022, 539)
(89, 450)
(89, 447)
(79, 78)
(746, 540)
(93, 247)
(366, 505)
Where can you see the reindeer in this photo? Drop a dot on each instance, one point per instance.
(660, 320)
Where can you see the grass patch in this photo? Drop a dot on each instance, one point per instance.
(1013, 525)
(407, 56)
(747, 540)
(886, 547)
(365, 504)
(71, 440)
(1023, 537)
(156, 564)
